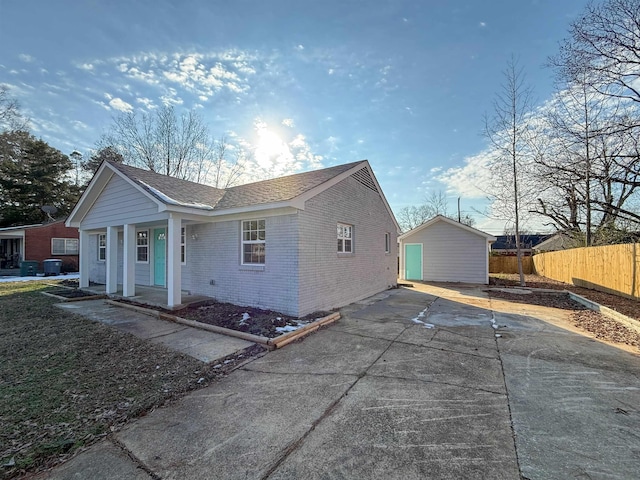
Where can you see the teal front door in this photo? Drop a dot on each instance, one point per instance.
(413, 262)
(159, 257)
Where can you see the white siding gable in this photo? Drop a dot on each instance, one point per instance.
(451, 254)
(120, 203)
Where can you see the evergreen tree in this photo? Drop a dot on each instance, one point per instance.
(32, 174)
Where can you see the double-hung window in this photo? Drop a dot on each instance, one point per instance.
(64, 246)
(102, 247)
(345, 238)
(253, 242)
(387, 243)
(142, 246)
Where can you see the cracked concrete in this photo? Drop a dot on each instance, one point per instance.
(376, 395)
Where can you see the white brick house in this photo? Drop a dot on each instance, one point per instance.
(296, 244)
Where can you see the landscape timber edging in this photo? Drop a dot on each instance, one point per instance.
(73, 299)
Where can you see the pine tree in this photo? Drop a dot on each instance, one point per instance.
(32, 174)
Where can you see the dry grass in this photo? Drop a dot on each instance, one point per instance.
(66, 382)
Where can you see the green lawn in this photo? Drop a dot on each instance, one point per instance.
(66, 381)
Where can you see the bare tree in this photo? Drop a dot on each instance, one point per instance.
(160, 141)
(76, 159)
(595, 126)
(604, 42)
(179, 146)
(11, 118)
(512, 137)
(412, 216)
(435, 203)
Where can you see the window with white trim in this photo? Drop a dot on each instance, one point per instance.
(253, 242)
(64, 246)
(387, 242)
(142, 246)
(345, 238)
(102, 247)
(183, 245)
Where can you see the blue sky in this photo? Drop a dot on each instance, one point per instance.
(404, 84)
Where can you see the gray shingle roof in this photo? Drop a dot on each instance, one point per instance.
(197, 195)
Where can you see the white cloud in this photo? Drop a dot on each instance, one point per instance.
(288, 122)
(147, 102)
(300, 48)
(89, 67)
(472, 180)
(482, 24)
(78, 125)
(26, 58)
(203, 74)
(171, 97)
(120, 105)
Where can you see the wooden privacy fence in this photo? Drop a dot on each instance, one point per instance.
(504, 264)
(610, 268)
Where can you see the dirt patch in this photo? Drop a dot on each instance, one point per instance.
(595, 323)
(543, 299)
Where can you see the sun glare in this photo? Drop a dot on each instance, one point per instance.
(270, 149)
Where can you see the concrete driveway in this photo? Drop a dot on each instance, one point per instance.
(412, 383)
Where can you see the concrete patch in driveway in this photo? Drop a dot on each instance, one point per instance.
(574, 402)
(442, 367)
(395, 428)
(237, 428)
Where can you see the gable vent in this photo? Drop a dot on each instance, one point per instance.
(362, 176)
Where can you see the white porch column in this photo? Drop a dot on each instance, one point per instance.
(174, 270)
(112, 259)
(83, 260)
(129, 262)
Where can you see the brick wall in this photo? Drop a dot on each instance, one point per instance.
(329, 280)
(37, 244)
(215, 255)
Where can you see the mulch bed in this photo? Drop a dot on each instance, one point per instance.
(256, 321)
(593, 322)
(264, 323)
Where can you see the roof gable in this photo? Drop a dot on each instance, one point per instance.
(280, 189)
(441, 218)
(175, 194)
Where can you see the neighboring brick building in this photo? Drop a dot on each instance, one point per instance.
(297, 244)
(39, 242)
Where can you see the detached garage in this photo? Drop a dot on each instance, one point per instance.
(443, 250)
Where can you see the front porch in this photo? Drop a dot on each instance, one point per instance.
(151, 249)
(151, 296)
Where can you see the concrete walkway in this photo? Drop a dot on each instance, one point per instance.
(410, 384)
(201, 344)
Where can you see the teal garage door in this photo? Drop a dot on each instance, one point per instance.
(413, 261)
